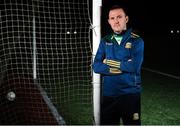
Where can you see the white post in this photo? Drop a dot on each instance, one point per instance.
(96, 39)
(52, 108)
(34, 49)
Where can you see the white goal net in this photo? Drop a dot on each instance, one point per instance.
(45, 62)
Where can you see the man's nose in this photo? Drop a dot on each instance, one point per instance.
(116, 21)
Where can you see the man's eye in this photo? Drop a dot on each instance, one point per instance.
(118, 17)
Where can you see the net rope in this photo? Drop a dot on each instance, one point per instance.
(45, 59)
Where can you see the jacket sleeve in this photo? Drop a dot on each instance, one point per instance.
(137, 54)
(98, 65)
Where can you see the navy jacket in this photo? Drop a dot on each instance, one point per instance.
(130, 56)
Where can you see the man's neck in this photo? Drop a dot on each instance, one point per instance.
(120, 33)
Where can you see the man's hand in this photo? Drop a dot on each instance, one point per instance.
(112, 63)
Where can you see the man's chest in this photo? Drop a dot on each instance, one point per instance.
(115, 51)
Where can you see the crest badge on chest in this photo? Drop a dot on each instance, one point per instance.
(128, 45)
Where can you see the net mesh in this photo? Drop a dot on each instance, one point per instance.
(45, 59)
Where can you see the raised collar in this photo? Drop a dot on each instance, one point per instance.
(125, 34)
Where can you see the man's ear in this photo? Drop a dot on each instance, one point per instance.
(108, 21)
(127, 19)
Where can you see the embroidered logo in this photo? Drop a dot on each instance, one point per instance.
(109, 43)
(128, 45)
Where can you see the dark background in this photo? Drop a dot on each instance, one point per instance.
(154, 22)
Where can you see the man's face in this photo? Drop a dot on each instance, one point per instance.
(118, 20)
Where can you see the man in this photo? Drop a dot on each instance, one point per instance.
(118, 60)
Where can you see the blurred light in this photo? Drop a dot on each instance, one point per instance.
(177, 31)
(75, 32)
(172, 31)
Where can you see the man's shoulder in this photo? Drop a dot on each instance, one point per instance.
(136, 39)
(108, 38)
(134, 35)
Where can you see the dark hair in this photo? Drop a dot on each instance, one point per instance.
(118, 7)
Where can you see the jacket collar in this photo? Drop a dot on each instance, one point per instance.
(125, 34)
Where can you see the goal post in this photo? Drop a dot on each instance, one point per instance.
(96, 77)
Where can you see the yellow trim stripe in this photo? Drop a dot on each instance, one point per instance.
(115, 70)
